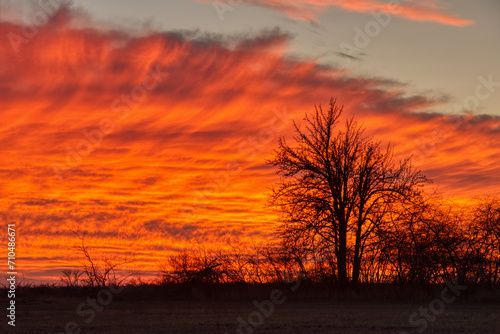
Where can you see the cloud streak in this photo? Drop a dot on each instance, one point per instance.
(309, 10)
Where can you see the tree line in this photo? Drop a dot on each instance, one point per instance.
(349, 213)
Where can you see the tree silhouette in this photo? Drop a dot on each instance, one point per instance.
(97, 275)
(71, 277)
(486, 224)
(338, 186)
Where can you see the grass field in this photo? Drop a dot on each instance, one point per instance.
(50, 315)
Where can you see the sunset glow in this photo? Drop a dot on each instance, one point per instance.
(150, 140)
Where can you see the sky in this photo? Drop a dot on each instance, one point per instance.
(146, 125)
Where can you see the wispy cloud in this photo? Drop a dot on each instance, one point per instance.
(309, 10)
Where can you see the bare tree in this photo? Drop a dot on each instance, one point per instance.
(71, 277)
(338, 187)
(101, 275)
(196, 266)
(486, 223)
(419, 243)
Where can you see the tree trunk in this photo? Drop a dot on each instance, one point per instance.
(356, 266)
(342, 255)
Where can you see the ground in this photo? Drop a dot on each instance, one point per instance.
(50, 315)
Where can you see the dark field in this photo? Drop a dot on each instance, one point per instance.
(50, 315)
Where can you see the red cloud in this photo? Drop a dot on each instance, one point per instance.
(309, 10)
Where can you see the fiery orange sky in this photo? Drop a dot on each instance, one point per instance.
(150, 140)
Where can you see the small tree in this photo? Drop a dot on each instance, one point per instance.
(338, 187)
(98, 276)
(192, 267)
(71, 277)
